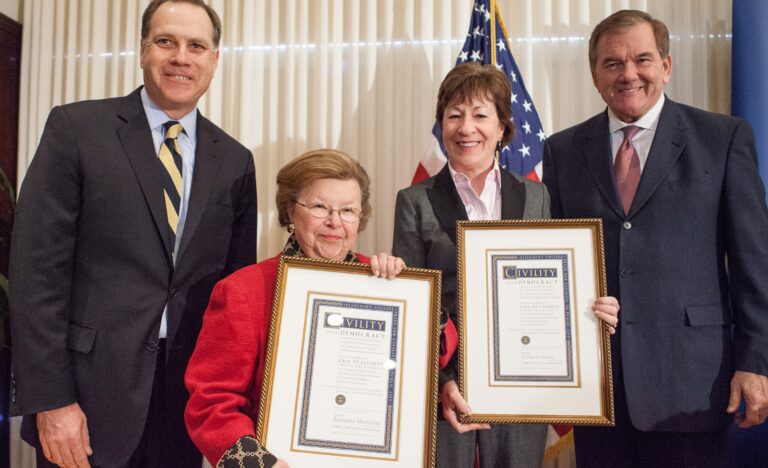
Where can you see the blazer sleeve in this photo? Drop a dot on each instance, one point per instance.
(550, 181)
(407, 242)
(546, 201)
(242, 248)
(746, 225)
(40, 271)
(222, 372)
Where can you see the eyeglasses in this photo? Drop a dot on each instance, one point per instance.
(320, 211)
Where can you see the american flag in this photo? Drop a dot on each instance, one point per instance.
(487, 43)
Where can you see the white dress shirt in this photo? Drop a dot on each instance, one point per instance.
(643, 138)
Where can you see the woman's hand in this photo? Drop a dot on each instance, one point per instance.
(280, 464)
(454, 406)
(386, 266)
(606, 308)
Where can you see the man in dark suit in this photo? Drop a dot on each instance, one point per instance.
(130, 212)
(686, 254)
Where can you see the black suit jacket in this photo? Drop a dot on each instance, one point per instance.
(687, 263)
(91, 268)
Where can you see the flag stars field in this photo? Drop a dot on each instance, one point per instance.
(525, 152)
(527, 127)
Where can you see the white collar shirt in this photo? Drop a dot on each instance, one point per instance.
(643, 138)
(483, 206)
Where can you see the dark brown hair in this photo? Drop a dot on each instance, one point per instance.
(149, 12)
(622, 20)
(320, 164)
(474, 81)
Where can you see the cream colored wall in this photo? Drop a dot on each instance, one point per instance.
(11, 9)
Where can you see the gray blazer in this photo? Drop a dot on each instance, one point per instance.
(425, 236)
(426, 215)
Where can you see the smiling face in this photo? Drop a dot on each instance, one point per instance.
(329, 238)
(471, 131)
(178, 57)
(629, 73)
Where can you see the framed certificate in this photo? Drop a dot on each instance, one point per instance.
(530, 347)
(351, 366)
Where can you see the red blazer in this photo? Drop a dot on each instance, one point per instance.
(225, 372)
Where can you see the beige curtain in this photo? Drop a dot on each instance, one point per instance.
(357, 75)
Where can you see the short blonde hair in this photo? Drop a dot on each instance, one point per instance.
(320, 164)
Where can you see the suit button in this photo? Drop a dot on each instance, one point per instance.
(627, 225)
(152, 346)
(174, 292)
(626, 273)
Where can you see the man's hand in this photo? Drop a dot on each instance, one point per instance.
(64, 436)
(454, 406)
(753, 388)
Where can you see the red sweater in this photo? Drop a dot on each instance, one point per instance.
(226, 369)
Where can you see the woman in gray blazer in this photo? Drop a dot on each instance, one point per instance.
(475, 117)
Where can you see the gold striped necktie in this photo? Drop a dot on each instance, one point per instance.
(170, 156)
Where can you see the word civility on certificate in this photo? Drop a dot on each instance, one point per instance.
(531, 318)
(350, 384)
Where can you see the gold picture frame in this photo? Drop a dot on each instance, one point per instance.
(530, 348)
(342, 347)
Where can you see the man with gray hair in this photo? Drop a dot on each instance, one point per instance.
(685, 222)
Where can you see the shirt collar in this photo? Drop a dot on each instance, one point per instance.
(157, 117)
(495, 173)
(649, 121)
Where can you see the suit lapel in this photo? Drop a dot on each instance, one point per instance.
(206, 168)
(597, 153)
(512, 197)
(446, 202)
(136, 139)
(667, 146)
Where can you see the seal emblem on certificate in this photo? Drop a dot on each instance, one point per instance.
(530, 348)
(342, 349)
(537, 286)
(362, 339)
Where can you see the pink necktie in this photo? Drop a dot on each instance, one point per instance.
(626, 168)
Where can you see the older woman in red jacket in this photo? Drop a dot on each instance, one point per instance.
(323, 201)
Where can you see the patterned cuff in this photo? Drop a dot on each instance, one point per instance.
(443, 318)
(246, 453)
